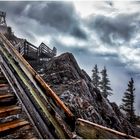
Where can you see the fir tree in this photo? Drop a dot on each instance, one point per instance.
(105, 84)
(95, 76)
(128, 102)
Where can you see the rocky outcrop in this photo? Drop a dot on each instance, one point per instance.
(75, 88)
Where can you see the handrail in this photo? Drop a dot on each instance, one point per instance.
(43, 48)
(31, 45)
(42, 45)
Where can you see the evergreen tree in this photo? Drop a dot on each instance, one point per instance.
(95, 76)
(128, 102)
(105, 84)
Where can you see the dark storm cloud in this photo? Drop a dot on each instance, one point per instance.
(78, 32)
(116, 29)
(13, 7)
(58, 15)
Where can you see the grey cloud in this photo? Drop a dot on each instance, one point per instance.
(78, 33)
(107, 55)
(139, 106)
(13, 7)
(113, 30)
(60, 16)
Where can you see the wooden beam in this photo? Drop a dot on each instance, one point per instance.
(89, 130)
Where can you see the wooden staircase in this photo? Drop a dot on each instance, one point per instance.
(13, 124)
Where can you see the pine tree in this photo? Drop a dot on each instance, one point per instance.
(105, 84)
(95, 76)
(128, 102)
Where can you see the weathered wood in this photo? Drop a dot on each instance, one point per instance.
(3, 85)
(21, 133)
(7, 98)
(7, 95)
(89, 130)
(12, 125)
(9, 110)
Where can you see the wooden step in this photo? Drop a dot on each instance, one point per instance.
(6, 95)
(3, 85)
(9, 126)
(9, 110)
(21, 133)
(7, 99)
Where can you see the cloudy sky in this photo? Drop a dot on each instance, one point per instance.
(106, 33)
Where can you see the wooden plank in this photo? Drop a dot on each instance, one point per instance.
(4, 96)
(3, 85)
(89, 130)
(12, 125)
(20, 133)
(7, 98)
(9, 110)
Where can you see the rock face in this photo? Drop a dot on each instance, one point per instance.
(75, 88)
